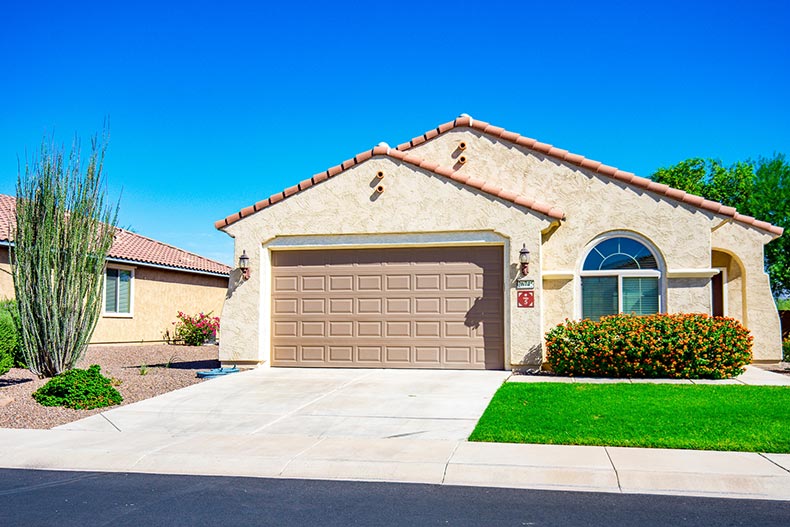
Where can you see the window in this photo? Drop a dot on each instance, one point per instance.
(620, 275)
(118, 291)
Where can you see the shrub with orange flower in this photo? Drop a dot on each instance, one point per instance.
(689, 346)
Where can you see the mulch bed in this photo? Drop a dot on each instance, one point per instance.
(144, 371)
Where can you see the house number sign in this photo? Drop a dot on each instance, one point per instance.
(526, 298)
(524, 283)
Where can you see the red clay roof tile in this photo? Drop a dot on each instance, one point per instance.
(128, 246)
(554, 212)
(596, 166)
(547, 210)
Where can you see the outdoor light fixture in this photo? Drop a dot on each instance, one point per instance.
(244, 265)
(523, 259)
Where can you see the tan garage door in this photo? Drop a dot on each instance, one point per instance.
(390, 308)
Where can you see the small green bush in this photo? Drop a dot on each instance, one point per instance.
(689, 346)
(786, 350)
(8, 342)
(9, 333)
(79, 389)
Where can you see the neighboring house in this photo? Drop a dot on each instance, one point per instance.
(410, 256)
(146, 284)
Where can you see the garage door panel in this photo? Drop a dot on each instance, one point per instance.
(341, 306)
(339, 354)
(398, 306)
(341, 283)
(312, 353)
(370, 354)
(398, 329)
(370, 329)
(430, 306)
(403, 308)
(398, 354)
(398, 282)
(368, 306)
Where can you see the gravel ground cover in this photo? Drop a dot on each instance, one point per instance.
(144, 371)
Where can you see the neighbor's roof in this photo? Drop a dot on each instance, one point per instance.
(532, 144)
(127, 246)
(383, 150)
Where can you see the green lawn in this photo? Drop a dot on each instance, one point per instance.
(703, 417)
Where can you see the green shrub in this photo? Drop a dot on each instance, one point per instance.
(690, 346)
(197, 329)
(79, 389)
(8, 342)
(9, 333)
(786, 349)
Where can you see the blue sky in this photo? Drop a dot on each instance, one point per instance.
(216, 105)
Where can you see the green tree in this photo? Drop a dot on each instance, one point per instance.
(770, 202)
(760, 189)
(65, 228)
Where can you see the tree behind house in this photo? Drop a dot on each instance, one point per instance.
(760, 189)
(65, 228)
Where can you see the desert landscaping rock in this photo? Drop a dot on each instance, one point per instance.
(165, 367)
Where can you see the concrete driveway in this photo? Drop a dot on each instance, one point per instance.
(384, 404)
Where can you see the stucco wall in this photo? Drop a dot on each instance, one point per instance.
(414, 203)
(6, 280)
(759, 310)
(159, 295)
(595, 205)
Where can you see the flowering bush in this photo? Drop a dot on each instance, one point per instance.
(687, 346)
(197, 329)
(786, 350)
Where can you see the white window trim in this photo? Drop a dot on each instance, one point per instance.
(660, 273)
(104, 312)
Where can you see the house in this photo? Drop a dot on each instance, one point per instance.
(411, 257)
(146, 284)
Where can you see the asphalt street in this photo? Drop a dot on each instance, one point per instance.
(38, 498)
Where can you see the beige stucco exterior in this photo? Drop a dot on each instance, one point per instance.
(157, 296)
(419, 207)
(416, 208)
(6, 279)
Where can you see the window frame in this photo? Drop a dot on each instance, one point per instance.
(113, 314)
(659, 273)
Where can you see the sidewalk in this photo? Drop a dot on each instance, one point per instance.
(446, 462)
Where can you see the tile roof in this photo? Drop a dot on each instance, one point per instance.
(594, 166)
(127, 246)
(383, 150)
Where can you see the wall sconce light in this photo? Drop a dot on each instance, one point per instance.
(523, 259)
(244, 265)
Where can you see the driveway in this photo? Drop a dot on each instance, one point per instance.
(383, 404)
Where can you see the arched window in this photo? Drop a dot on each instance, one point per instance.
(620, 275)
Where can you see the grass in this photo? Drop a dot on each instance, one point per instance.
(783, 304)
(729, 417)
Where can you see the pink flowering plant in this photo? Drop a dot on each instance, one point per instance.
(194, 330)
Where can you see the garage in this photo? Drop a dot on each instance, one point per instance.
(427, 307)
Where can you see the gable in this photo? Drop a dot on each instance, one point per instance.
(384, 151)
(426, 146)
(414, 201)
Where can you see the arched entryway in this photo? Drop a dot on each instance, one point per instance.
(727, 286)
